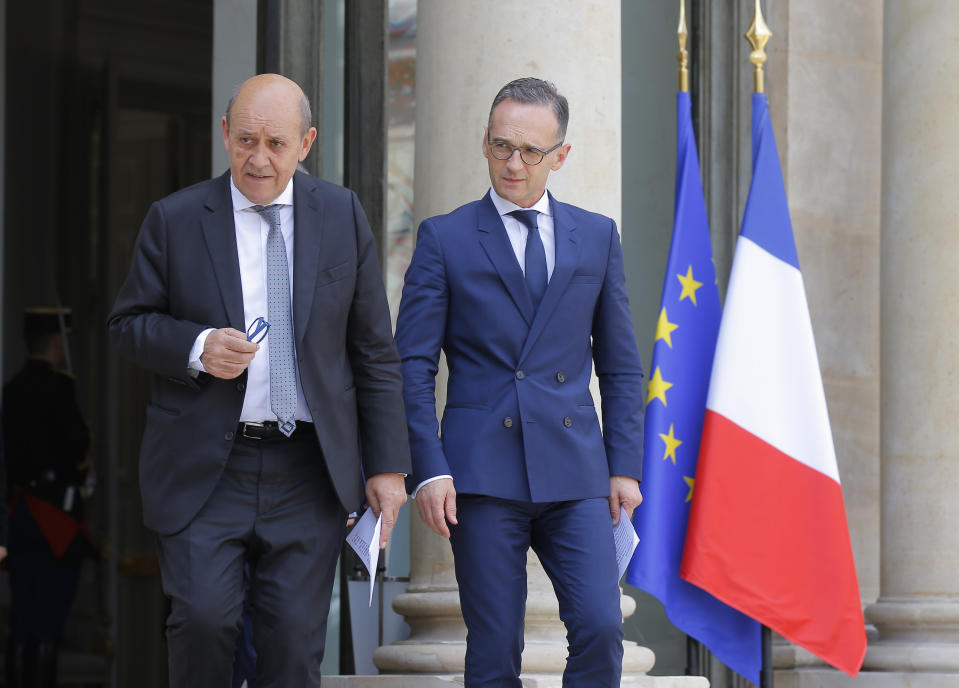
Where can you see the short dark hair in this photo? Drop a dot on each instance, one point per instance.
(305, 111)
(38, 343)
(41, 324)
(533, 91)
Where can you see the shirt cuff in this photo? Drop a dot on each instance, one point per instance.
(194, 363)
(429, 480)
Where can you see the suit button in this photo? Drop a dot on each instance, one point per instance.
(567, 421)
(560, 377)
(228, 436)
(507, 422)
(240, 386)
(520, 374)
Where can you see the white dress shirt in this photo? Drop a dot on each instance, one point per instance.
(517, 233)
(251, 232)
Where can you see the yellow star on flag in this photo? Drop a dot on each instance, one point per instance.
(657, 387)
(671, 444)
(690, 482)
(689, 285)
(664, 329)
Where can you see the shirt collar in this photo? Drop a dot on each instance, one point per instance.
(504, 207)
(241, 202)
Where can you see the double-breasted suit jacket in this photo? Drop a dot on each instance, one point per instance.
(519, 421)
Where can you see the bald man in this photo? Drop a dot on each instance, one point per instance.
(256, 301)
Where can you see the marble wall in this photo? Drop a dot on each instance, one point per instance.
(826, 96)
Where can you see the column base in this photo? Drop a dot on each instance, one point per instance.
(916, 634)
(539, 658)
(529, 681)
(437, 642)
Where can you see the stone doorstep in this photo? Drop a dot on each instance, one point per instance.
(529, 681)
(75, 668)
(829, 678)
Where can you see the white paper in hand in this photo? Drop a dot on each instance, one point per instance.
(626, 540)
(365, 540)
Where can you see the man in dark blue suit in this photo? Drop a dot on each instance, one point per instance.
(524, 294)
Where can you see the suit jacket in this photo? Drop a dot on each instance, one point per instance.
(185, 277)
(519, 421)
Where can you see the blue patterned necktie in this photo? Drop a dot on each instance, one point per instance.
(282, 358)
(537, 275)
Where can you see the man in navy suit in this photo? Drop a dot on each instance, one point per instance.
(524, 294)
(255, 452)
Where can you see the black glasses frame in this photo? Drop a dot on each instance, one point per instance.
(492, 145)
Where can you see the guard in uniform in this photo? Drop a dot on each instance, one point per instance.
(45, 442)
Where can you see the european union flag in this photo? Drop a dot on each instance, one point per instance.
(675, 405)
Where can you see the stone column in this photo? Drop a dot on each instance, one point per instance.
(917, 614)
(465, 53)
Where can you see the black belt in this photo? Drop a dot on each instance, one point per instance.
(269, 430)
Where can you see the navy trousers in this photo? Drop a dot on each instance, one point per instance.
(574, 542)
(42, 587)
(275, 508)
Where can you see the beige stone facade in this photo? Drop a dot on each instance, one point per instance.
(864, 103)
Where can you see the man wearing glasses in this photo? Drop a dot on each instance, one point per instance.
(524, 294)
(256, 301)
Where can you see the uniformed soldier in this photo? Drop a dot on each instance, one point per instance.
(45, 442)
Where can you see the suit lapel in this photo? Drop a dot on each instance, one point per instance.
(567, 252)
(496, 244)
(219, 232)
(308, 233)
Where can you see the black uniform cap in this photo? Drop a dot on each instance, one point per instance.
(46, 319)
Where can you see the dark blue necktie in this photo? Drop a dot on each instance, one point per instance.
(536, 273)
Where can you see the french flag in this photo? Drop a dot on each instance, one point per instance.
(767, 529)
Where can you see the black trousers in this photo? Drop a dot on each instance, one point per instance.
(274, 507)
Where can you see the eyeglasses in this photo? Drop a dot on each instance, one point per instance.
(257, 330)
(530, 155)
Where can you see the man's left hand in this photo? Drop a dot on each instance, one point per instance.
(623, 492)
(385, 494)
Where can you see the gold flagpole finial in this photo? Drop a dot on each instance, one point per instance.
(758, 34)
(683, 53)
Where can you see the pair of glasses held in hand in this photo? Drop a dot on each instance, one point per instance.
(257, 330)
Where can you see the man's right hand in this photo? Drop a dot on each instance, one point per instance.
(436, 502)
(227, 353)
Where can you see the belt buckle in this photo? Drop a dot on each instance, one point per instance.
(251, 424)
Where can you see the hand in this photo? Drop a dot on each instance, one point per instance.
(436, 502)
(3, 553)
(385, 494)
(624, 492)
(227, 353)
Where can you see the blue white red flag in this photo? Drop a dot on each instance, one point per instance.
(767, 531)
(676, 401)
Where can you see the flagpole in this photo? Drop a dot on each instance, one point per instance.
(758, 34)
(683, 56)
(693, 654)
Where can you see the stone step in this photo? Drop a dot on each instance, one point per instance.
(529, 681)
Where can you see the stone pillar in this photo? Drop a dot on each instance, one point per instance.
(465, 53)
(824, 80)
(917, 614)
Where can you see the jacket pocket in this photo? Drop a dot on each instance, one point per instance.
(334, 274)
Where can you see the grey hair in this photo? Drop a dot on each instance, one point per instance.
(305, 113)
(532, 91)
